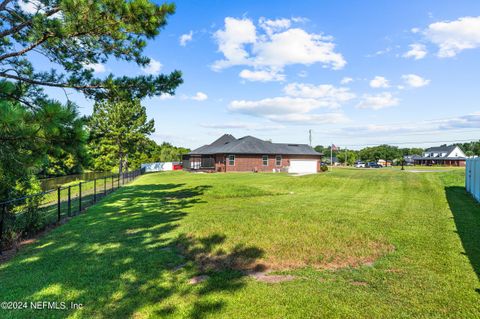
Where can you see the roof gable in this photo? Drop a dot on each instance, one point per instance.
(441, 149)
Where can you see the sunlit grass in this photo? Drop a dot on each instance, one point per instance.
(360, 243)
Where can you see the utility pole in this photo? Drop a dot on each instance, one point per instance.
(310, 137)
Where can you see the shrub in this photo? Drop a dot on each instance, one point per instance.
(324, 168)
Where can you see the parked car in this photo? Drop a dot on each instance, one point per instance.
(359, 164)
(373, 165)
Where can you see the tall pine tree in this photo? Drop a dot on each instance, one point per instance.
(119, 127)
(74, 36)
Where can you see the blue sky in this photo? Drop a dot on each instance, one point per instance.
(354, 72)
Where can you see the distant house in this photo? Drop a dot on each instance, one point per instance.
(247, 154)
(443, 155)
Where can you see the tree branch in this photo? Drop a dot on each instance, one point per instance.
(25, 50)
(27, 23)
(4, 4)
(44, 83)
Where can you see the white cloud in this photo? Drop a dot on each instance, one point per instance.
(96, 67)
(417, 51)
(324, 118)
(377, 101)
(453, 37)
(427, 126)
(276, 105)
(153, 67)
(278, 46)
(414, 80)
(36, 6)
(327, 93)
(232, 40)
(243, 126)
(262, 75)
(31, 6)
(296, 106)
(379, 82)
(164, 97)
(346, 80)
(271, 26)
(296, 46)
(185, 38)
(200, 96)
(415, 30)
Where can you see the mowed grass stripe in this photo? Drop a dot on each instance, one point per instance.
(360, 243)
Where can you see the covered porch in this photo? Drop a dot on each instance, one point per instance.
(199, 162)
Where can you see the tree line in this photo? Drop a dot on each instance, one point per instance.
(41, 136)
(386, 152)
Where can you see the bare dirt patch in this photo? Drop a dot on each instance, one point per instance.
(271, 279)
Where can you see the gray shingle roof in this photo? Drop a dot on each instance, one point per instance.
(441, 149)
(227, 144)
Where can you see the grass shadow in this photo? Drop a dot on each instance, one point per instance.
(466, 213)
(124, 256)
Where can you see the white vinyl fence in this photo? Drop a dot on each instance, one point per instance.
(472, 177)
(157, 167)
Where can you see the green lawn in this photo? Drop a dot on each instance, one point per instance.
(359, 243)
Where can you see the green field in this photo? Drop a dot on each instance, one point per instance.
(353, 243)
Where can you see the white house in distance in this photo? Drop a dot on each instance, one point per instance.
(443, 155)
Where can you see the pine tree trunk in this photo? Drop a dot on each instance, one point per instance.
(126, 162)
(120, 163)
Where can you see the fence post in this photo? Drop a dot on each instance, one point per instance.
(58, 204)
(104, 186)
(113, 186)
(4, 213)
(80, 197)
(94, 190)
(69, 201)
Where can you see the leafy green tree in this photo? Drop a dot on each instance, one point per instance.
(151, 152)
(386, 152)
(325, 150)
(119, 127)
(77, 34)
(73, 35)
(347, 156)
(29, 134)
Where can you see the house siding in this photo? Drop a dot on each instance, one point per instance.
(249, 163)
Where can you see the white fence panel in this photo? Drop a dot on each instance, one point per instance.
(472, 177)
(157, 167)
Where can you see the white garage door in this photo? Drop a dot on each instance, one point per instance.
(303, 166)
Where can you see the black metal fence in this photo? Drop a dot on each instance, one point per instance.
(26, 216)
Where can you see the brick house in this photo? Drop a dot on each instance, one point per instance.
(444, 155)
(250, 154)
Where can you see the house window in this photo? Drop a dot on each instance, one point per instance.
(231, 160)
(278, 160)
(265, 160)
